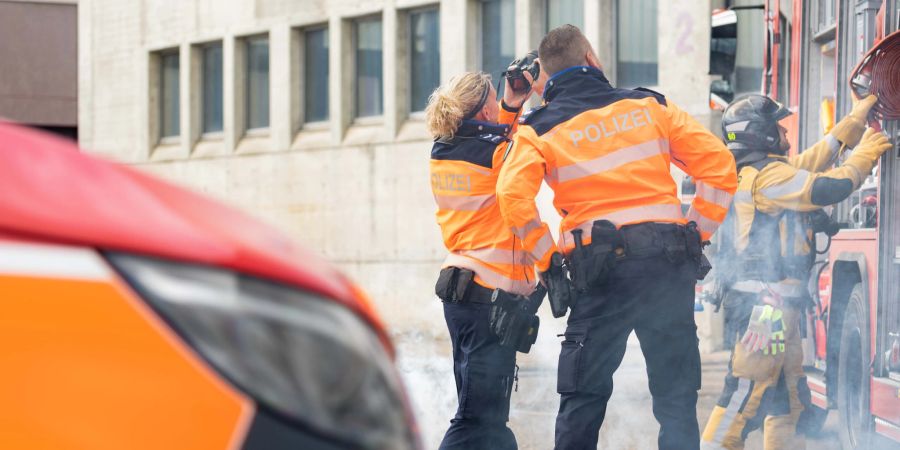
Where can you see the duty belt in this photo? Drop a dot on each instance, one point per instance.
(477, 294)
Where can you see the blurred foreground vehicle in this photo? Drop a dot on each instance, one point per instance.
(136, 314)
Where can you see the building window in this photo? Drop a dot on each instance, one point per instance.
(212, 88)
(369, 74)
(636, 43)
(498, 36)
(561, 12)
(315, 70)
(257, 82)
(425, 56)
(169, 94)
(749, 58)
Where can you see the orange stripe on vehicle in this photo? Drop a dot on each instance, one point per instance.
(88, 365)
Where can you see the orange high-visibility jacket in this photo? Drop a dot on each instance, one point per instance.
(606, 153)
(464, 173)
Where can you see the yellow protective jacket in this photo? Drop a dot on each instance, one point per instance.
(464, 173)
(606, 153)
(772, 238)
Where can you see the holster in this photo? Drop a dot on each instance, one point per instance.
(453, 284)
(513, 318)
(560, 290)
(592, 263)
(694, 242)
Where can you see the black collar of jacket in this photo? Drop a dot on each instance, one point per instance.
(472, 128)
(575, 79)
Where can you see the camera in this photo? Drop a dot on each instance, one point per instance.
(515, 73)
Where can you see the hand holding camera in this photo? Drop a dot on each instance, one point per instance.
(520, 77)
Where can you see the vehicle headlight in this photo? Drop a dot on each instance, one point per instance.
(306, 358)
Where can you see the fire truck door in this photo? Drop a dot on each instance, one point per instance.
(889, 239)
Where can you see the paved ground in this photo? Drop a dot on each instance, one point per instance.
(629, 423)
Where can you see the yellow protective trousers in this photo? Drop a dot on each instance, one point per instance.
(762, 391)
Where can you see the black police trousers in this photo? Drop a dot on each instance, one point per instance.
(484, 372)
(654, 297)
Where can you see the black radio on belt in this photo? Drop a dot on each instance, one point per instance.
(453, 284)
(592, 263)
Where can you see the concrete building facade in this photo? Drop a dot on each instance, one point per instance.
(216, 94)
(38, 64)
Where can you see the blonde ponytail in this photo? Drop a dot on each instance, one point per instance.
(450, 102)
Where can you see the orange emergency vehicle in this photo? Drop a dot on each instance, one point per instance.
(139, 315)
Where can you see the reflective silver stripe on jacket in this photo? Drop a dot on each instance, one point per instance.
(496, 255)
(543, 245)
(793, 186)
(489, 276)
(522, 232)
(464, 202)
(704, 223)
(714, 195)
(609, 161)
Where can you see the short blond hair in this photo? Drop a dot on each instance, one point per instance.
(563, 47)
(450, 102)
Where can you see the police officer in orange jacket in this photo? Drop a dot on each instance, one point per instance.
(471, 130)
(633, 256)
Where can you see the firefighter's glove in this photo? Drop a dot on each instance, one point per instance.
(560, 290)
(762, 330)
(873, 145)
(850, 129)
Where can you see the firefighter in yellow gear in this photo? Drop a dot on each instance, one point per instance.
(775, 214)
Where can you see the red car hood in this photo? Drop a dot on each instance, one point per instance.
(51, 191)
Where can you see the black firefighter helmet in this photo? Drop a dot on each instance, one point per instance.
(750, 127)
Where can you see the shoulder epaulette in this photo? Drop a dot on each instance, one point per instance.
(530, 114)
(492, 138)
(659, 97)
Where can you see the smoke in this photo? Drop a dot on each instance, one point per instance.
(426, 364)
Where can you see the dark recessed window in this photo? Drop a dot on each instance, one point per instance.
(561, 12)
(315, 70)
(212, 88)
(369, 73)
(257, 82)
(636, 43)
(498, 36)
(169, 94)
(424, 56)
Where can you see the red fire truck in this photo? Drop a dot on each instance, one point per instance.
(801, 52)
